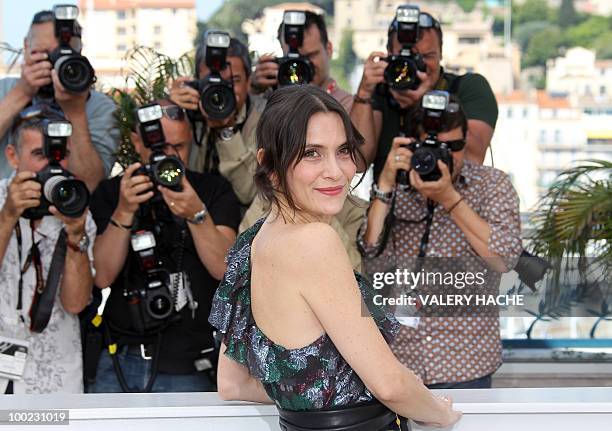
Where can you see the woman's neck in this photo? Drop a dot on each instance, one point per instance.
(283, 212)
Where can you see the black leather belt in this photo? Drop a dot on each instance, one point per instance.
(371, 416)
(143, 350)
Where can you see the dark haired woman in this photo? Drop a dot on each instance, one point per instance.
(290, 306)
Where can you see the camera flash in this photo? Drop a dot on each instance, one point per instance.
(408, 14)
(150, 113)
(59, 129)
(437, 100)
(217, 39)
(65, 12)
(293, 17)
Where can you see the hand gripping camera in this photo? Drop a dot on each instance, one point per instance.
(401, 73)
(425, 154)
(293, 69)
(164, 170)
(59, 187)
(152, 302)
(216, 94)
(73, 70)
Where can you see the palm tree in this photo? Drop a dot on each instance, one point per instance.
(573, 230)
(146, 79)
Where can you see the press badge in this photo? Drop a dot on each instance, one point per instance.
(13, 355)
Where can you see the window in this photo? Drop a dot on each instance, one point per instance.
(121, 47)
(557, 136)
(120, 14)
(509, 115)
(542, 138)
(158, 45)
(525, 112)
(157, 29)
(469, 40)
(602, 90)
(120, 31)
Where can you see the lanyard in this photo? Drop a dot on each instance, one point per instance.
(33, 258)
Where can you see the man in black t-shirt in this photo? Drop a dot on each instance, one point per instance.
(381, 116)
(193, 229)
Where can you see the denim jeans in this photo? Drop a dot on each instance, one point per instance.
(137, 371)
(480, 383)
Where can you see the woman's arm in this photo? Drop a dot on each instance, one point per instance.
(234, 382)
(327, 283)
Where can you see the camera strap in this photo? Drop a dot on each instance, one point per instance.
(44, 293)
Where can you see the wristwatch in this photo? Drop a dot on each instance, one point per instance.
(80, 246)
(384, 197)
(226, 133)
(199, 217)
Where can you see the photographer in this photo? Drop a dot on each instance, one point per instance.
(90, 112)
(154, 240)
(316, 48)
(469, 210)
(34, 253)
(382, 113)
(227, 145)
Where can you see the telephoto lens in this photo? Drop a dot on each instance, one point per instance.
(400, 74)
(70, 196)
(218, 100)
(75, 72)
(294, 72)
(168, 172)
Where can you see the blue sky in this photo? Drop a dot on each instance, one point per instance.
(17, 14)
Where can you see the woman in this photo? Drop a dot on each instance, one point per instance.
(290, 306)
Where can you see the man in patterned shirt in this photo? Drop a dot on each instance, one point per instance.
(53, 363)
(475, 214)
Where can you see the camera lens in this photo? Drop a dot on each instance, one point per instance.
(70, 196)
(169, 172)
(424, 161)
(400, 74)
(218, 101)
(159, 305)
(294, 72)
(74, 72)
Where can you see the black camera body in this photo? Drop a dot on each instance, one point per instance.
(294, 69)
(425, 154)
(401, 72)
(151, 302)
(216, 94)
(59, 187)
(163, 170)
(74, 70)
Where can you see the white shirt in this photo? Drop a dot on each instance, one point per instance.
(54, 363)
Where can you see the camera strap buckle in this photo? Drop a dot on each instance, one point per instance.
(143, 353)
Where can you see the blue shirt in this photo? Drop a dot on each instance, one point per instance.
(100, 110)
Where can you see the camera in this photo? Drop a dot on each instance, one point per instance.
(293, 69)
(73, 70)
(425, 154)
(216, 94)
(59, 187)
(163, 170)
(152, 302)
(401, 73)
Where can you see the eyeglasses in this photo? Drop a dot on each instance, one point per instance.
(456, 145)
(40, 111)
(173, 112)
(425, 21)
(428, 21)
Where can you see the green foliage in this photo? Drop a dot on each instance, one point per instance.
(467, 5)
(567, 14)
(603, 46)
(232, 14)
(149, 73)
(525, 32)
(586, 33)
(531, 10)
(342, 67)
(542, 46)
